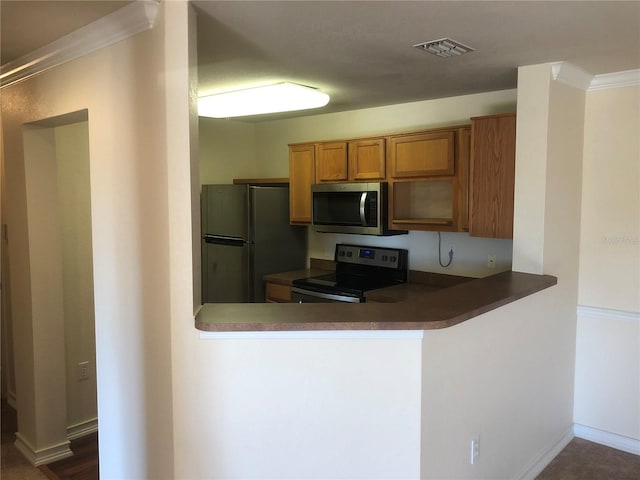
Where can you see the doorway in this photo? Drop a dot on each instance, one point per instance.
(54, 355)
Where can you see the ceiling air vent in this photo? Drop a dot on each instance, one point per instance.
(445, 47)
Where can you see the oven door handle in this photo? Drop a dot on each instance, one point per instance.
(363, 204)
(326, 296)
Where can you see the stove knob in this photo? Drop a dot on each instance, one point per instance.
(385, 258)
(393, 258)
(349, 254)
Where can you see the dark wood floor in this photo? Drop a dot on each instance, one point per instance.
(83, 465)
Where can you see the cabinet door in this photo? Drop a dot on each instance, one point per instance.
(367, 159)
(422, 155)
(301, 177)
(277, 293)
(492, 176)
(331, 162)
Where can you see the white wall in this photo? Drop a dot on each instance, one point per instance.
(504, 378)
(74, 197)
(227, 150)
(39, 322)
(608, 341)
(271, 138)
(302, 406)
(610, 236)
(122, 87)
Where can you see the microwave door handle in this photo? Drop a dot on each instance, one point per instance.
(363, 203)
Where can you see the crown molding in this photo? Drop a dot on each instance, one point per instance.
(108, 30)
(571, 75)
(629, 78)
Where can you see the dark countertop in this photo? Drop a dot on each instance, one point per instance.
(285, 278)
(413, 306)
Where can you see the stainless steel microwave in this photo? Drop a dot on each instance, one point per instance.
(351, 208)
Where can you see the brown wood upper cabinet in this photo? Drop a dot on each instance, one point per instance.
(367, 159)
(331, 162)
(492, 176)
(427, 183)
(355, 160)
(301, 177)
(422, 154)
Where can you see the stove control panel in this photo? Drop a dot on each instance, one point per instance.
(373, 256)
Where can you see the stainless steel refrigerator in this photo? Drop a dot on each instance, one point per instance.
(246, 235)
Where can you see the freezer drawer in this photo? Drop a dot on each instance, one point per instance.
(225, 273)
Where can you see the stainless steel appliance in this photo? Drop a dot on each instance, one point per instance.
(246, 235)
(351, 208)
(358, 269)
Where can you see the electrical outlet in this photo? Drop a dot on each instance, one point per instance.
(475, 450)
(83, 371)
(491, 261)
(329, 251)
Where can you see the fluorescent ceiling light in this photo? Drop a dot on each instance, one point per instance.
(279, 97)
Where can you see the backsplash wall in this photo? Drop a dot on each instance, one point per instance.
(469, 259)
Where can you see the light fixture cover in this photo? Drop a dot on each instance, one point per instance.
(278, 97)
(444, 47)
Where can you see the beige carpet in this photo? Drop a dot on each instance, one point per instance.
(584, 460)
(13, 465)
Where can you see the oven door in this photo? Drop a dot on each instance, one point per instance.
(301, 295)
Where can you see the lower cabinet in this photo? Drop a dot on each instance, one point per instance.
(277, 293)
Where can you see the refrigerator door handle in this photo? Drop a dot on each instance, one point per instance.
(224, 240)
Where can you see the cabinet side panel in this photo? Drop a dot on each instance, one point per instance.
(492, 177)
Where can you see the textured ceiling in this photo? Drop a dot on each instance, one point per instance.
(361, 52)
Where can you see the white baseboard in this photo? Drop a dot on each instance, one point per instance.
(81, 429)
(537, 465)
(44, 455)
(613, 440)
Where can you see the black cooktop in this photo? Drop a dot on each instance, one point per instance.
(360, 269)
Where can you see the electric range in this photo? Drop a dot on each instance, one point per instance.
(358, 269)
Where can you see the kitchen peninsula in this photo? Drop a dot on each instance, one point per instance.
(401, 307)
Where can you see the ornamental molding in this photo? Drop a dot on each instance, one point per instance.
(571, 75)
(629, 78)
(607, 313)
(108, 30)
